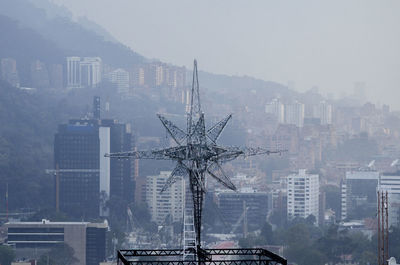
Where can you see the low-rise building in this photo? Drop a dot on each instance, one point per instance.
(33, 239)
(244, 206)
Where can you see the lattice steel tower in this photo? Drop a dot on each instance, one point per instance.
(197, 154)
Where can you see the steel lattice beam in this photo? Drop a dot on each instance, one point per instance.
(212, 256)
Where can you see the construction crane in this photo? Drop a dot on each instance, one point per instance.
(57, 172)
(197, 154)
(243, 217)
(130, 218)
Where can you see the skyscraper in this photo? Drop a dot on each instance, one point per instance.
(77, 159)
(87, 179)
(302, 195)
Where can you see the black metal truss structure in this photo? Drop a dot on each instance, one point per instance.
(244, 256)
(196, 153)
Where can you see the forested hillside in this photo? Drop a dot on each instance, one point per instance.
(28, 121)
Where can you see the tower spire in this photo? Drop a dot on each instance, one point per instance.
(195, 106)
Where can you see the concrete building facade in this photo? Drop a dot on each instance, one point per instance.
(169, 202)
(302, 195)
(33, 239)
(294, 114)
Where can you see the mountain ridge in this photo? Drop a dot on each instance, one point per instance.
(73, 39)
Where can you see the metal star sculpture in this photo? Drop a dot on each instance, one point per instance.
(196, 153)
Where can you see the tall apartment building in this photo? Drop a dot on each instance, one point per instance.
(323, 111)
(33, 239)
(73, 72)
(359, 194)
(174, 77)
(8, 71)
(56, 76)
(39, 75)
(277, 109)
(83, 72)
(120, 78)
(136, 76)
(294, 114)
(86, 179)
(157, 74)
(169, 202)
(90, 71)
(302, 195)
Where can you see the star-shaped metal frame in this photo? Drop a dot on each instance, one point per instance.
(196, 153)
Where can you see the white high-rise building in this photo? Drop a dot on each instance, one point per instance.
(302, 195)
(84, 72)
(159, 71)
(323, 111)
(120, 78)
(294, 114)
(73, 79)
(169, 202)
(90, 71)
(276, 108)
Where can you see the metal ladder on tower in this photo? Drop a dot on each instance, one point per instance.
(189, 235)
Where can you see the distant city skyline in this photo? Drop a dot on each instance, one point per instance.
(330, 45)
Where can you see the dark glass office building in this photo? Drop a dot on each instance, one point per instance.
(233, 204)
(76, 156)
(85, 179)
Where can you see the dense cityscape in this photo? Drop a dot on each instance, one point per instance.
(329, 195)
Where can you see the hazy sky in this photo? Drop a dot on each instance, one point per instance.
(329, 44)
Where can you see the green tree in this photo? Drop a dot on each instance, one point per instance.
(298, 235)
(394, 239)
(251, 241)
(50, 214)
(368, 257)
(142, 215)
(267, 234)
(7, 255)
(61, 254)
(305, 255)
